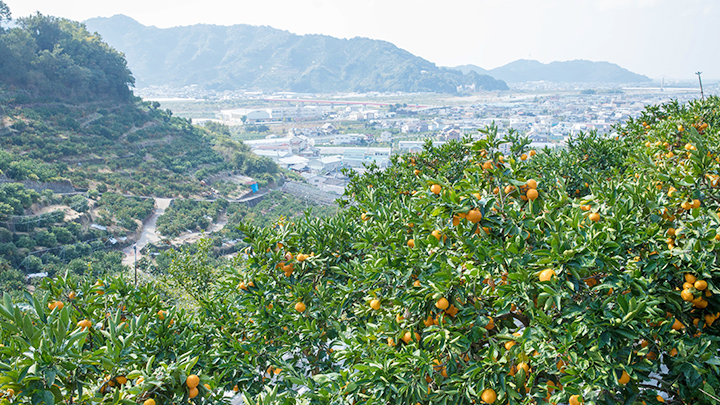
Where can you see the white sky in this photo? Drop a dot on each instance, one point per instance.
(658, 38)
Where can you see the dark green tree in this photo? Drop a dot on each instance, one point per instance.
(5, 15)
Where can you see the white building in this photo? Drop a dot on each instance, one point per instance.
(348, 139)
(293, 144)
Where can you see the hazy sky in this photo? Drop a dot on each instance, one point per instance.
(658, 38)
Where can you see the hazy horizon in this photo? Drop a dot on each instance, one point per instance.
(657, 38)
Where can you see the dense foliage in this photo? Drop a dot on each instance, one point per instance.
(14, 199)
(125, 211)
(48, 58)
(189, 216)
(459, 275)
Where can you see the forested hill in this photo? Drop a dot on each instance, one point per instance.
(68, 113)
(48, 57)
(264, 58)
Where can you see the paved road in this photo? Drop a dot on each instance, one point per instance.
(148, 234)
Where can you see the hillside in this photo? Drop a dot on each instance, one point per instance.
(78, 149)
(575, 71)
(263, 58)
(463, 274)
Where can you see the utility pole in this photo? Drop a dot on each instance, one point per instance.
(135, 249)
(702, 95)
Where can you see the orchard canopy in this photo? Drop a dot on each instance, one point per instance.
(475, 272)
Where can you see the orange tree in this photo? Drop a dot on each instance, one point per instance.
(476, 272)
(486, 271)
(106, 342)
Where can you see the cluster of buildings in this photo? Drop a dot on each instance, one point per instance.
(318, 150)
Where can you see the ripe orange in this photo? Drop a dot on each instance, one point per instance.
(121, 379)
(575, 400)
(300, 307)
(411, 243)
(375, 304)
(488, 396)
(56, 304)
(416, 283)
(677, 325)
(686, 295)
(71, 295)
(442, 304)
(532, 194)
(417, 172)
(624, 378)
(701, 285)
(531, 183)
(149, 402)
(474, 216)
(523, 157)
(491, 324)
(524, 366)
(690, 278)
(161, 314)
(192, 381)
(547, 274)
(440, 367)
(595, 217)
(192, 393)
(364, 216)
(407, 337)
(532, 153)
(509, 344)
(435, 188)
(710, 319)
(487, 165)
(696, 203)
(84, 324)
(436, 234)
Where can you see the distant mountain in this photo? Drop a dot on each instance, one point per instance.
(263, 58)
(472, 68)
(574, 71)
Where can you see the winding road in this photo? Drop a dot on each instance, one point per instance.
(148, 234)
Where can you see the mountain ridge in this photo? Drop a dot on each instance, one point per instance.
(249, 57)
(577, 70)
